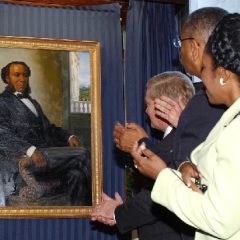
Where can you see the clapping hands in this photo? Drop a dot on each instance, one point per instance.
(147, 162)
(126, 136)
(104, 212)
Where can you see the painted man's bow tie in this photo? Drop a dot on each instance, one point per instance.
(22, 95)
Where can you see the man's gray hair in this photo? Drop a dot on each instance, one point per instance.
(172, 84)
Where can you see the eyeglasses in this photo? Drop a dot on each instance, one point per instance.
(177, 42)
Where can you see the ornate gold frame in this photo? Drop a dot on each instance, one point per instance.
(96, 128)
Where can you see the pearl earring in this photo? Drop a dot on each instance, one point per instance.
(221, 81)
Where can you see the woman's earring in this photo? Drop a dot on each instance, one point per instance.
(221, 81)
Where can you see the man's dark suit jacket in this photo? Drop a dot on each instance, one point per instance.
(20, 129)
(154, 221)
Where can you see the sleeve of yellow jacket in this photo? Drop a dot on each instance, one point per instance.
(217, 212)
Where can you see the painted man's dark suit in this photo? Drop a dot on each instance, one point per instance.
(152, 220)
(21, 129)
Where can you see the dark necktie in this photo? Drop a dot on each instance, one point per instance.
(22, 95)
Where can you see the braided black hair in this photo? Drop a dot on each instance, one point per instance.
(224, 43)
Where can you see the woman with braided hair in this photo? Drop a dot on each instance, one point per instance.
(210, 203)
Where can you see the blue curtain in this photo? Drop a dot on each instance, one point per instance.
(98, 23)
(151, 28)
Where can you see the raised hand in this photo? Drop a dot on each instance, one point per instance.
(168, 109)
(104, 212)
(146, 161)
(125, 137)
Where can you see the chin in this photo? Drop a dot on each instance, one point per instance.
(20, 90)
(211, 100)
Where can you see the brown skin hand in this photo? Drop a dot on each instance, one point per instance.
(38, 159)
(125, 137)
(148, 163)
(74, 142)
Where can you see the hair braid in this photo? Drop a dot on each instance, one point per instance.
(224, 43)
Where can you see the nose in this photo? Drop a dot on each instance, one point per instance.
(22, 78)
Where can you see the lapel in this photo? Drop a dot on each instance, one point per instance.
(29, 112)
(166, 149)
(168, 140)
(224, 121)
(19, 107)
(36, 105)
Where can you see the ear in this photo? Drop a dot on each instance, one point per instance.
(223, 73)
(196, 52)
(7, 79)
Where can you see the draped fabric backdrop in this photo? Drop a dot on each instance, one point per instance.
(98, 23)
(151, 28)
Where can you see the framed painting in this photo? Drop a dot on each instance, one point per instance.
(64, 86)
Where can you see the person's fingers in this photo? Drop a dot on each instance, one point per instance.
(100, 219)
(168, 101)
(195, 188)
(109, 222)
(160, 107)
(163, 105)
(112, 222)
(118, 129)
(187, 177)
(118, 125)
(104, 220)
(136, 154)
(117, 134)
(93, 218)
(118, 197)
(188, 182)
(132, 126)
(161, 114)
(140, 149)
(163, 111)
(135, 147)
(94, 212)
(116, 140)
(148, 153)
(105, 197)
(195, 172)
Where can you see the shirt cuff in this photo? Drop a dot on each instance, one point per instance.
(30, 151)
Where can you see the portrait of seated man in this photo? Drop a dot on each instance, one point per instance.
(41, 164)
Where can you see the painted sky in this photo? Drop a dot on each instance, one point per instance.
(84, 69)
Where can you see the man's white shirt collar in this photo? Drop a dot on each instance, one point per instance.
(167, 131)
